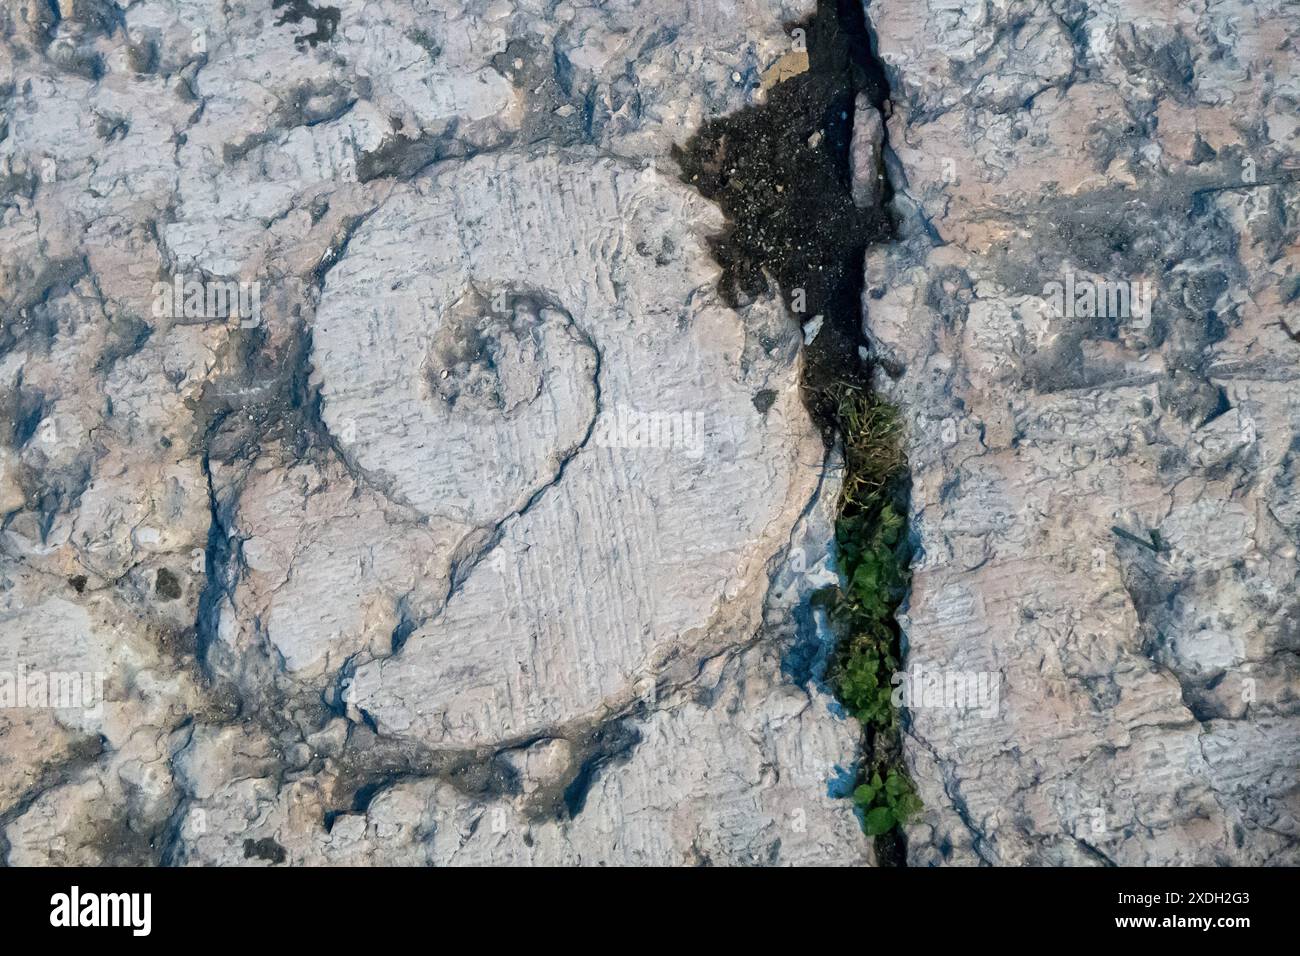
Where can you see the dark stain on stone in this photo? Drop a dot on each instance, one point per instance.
(371, 765)
(610, 744)
(403, 156)
(556, 111)
(764, 400)
(426, 42)
(78, 583)
(264, 849)
(781, 173)
(166, 586)
(326, 19)
(142, 55)
(24, 410)
(127, 334)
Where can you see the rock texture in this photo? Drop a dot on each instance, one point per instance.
(479, 530)
(1104, 500)
(454, 518)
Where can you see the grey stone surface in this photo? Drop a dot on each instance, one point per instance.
(478, 529)
(865, 153)
(1148, 684)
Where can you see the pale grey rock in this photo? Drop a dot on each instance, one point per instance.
(649, 805)
(629, 486)
(864, 153)
(514, 572)
(1147, 711)
(403, 572)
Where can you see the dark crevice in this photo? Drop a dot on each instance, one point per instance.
(782, 175)
(610, 744)
(324, 19)
(265, 849)
(782, 172)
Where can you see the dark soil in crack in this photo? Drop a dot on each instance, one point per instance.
(781, 173)
(324, 19)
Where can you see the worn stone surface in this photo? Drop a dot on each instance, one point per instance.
(600, 561)
(488, 535)
(1103, 502)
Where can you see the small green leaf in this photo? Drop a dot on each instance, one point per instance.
(880, 820)
(910, 806)
(895, 785)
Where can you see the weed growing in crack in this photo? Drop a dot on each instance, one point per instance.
(871, 540)
(780, 171)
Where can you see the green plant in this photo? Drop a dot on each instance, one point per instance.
(871, 541)
(862, 610)
(872, 437)
(886, 803)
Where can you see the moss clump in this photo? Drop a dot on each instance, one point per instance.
(871, 540)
